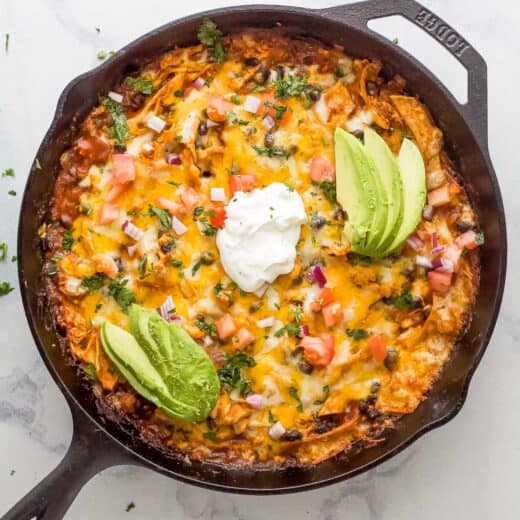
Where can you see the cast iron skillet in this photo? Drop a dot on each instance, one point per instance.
(98, 443)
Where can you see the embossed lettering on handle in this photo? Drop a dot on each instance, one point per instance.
(442, 32)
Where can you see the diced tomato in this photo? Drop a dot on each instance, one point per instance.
(219, 217)
(318, 351)
(173, 207)
(439, 197)
(453, 253)
(322, 170)
(123, 168)
(324, 297)
(105, 264)
(108, 213)
(190, 198)
(377, 347)
(93, 148)
(467, 240)
(225, 326)
(440, 281)
(115, 191)
(244, 338)
(217, 108)
(246, 182)
(332, 314)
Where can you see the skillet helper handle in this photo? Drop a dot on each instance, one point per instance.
(475, 110)
(90, 451)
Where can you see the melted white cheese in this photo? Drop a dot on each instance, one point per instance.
(258, 240)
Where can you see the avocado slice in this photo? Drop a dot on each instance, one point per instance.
(163, 364)
(355, 189)
(388, 170)
(413, 179)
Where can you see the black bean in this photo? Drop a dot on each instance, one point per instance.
(372, 88)
(305, 367)
(166, 247)
(318, 221)
(262, 75)
(463, 226)
(269, 140)
(315, 93)
(339, 214)
(203, 128)
(251, 62)
(322, 427)
(363, 406)
(207, 258)
(206, 173)
(373, 413)
(292, 435)
(120, 148)
(392, 358)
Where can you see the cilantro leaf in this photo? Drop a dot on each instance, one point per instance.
(142, 85)
(8, 172)
(210, 35)
(326, 392)
(329, 190)
(165, 219)
(5, 288)
(293, 392)
(357, 334)
(90, 370)
(204, 326)
(404, 301)
(3, 251)
(67, 240)
(123, 296)
(94, 283)
(231, 376)
(271, 151)
(119, 129)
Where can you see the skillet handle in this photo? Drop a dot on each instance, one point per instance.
(475, 110)
(90, 451)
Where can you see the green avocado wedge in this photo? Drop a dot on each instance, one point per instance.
(413, 179)
(163, 364)
(388, 171)
(355, 189)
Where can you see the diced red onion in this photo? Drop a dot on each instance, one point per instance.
(415, 243)
(268, 122)
(428, 212)
(178, 226)
(199, 83)
(207, 341)
(446, 266)
(304, 330)
(436, 251)
(173, 159)
(434, 240)
(166, 309)
(266, 322)
(131, 230)
(252, 104)
(118, 98)
(319, 276)
(276, 431)
(131, 250)
(255, 401)
(423, 262)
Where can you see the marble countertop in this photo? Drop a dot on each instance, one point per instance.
(467, 469)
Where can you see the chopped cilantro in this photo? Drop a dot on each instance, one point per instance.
(12, 193)
(123, 296)
(271, 417)
(259, 88)
(271, 151)
(165, 219)
(129, 506)
(179, 93)
(404, 302)
(175, 263)
(279, 110)
(67, 240)
(236, 100)
(289, 187)
(103, 55)
(395, 40)
(329, 190)
(196, 266)
(98, 30)
(357, 334)
(211, 435)
(479, 239)
(141, 268)
(14, 258)
(204, 326)
(326, 391)
(91, 372)
(292, 330)
(3, 251)
(210, 36)
(12, 472)
(291, 86)
(94, 283)
(142, 85)
(231, 376)
(6, 43)
(218, 288)
(233, 119)
(293, 392)
(5, 288)
(8, 172)
(119, 129)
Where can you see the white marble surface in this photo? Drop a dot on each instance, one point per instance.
(467, 469)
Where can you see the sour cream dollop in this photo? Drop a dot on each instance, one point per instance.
(258, 241)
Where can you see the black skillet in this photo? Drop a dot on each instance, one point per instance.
(97, 442)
